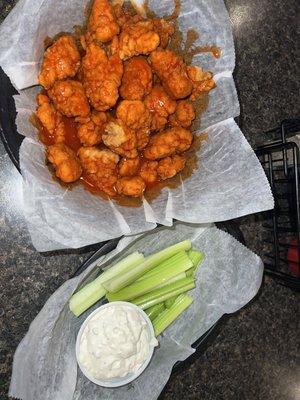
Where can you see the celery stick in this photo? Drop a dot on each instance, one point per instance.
(155, 310)
(196, 257)
(169, 302)
(94, 291)
(176, 278)
(119, 282)
(162, 294)
(164, 319)
(179, 257)
(139, 288)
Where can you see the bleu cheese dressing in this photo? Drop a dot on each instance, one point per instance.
(115, 342)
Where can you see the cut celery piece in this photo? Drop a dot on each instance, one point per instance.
(176, 278)
(169, 302)
(155, 310)
(117, 283)
(162, 294)
(165, 318)
(179, 257)
(191, 272)
(94, 291)
(196, 257)
(139, 288)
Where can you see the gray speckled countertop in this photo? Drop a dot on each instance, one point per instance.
(255, 355)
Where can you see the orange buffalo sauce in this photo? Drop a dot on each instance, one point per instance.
(71, 137)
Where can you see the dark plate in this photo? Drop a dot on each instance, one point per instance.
(12, 141)
(10, 137)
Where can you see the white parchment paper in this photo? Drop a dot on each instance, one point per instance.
(44, 365)
(228, 183)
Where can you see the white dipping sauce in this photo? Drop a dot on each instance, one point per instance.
(114, 342)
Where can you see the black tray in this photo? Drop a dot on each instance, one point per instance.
(12, 141)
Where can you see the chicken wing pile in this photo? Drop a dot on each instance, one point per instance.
(129, 99)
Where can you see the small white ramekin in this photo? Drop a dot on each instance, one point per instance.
(116, 382)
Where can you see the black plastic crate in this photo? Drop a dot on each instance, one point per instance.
(280, 160)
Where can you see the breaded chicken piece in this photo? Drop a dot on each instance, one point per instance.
(160, 105)
(148, 171)
(137, 38)
(202, 81)
(137, 79)
(101, 77)
(129, 166)
(161, 27)
(172, 71)
(164, 29)
(123, 15)
(135, 115)
(50, 118)
(102, 24)
(142, 137)
(170, 166)
(69, 98)
(91, 128)
(64, 160)
(184, 114)
(133, 186)
(120, 139)
(168, 142)
(61, 60)
(100, 167)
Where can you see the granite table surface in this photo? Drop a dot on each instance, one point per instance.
(254, 357)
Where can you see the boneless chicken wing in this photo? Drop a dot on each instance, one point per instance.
(64, 160)
(160, 105)
(132, 186)
(137, 79)
(148, 171)
(129, 166)
(102, 24)
(50, 119)
(164, 29)
(101, 77)
(168, 142)
(69, 98)
(172, 71)
(184, 114)
(137, 38)
(61, 60)
(100, 168)
(91, 128)
(170, 166)
(202, 81)
(120, 139)
(135, 115)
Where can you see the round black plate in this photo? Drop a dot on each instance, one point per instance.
(8, 130)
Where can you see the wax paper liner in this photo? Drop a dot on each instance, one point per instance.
(229, 181)
(45, 366)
